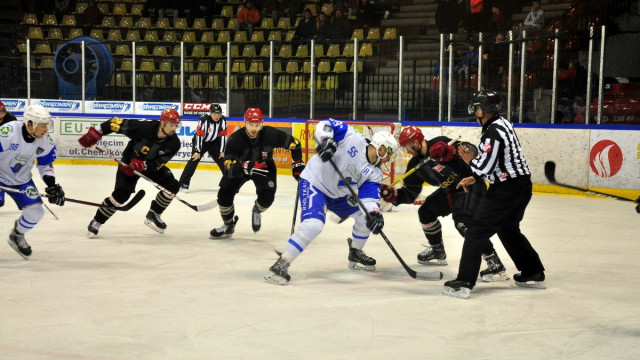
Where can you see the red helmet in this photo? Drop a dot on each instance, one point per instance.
(170, 115)
(253, 115)
(2, 108)
(409, 135)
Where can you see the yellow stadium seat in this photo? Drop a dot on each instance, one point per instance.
(119, 79)
(249, 50)
(158, 80)
(299, 82)
(277, 66)
(327, 8)
(256, 66)
(46, 62)
(318, 83)
(133, 35)
(257, 36)
(166, 66)
(373, 34)
(302, 50)
(126, 22)
(56, 34)
(198, 50)
(231, 24)
(235, 51)
(118, 9)
(284, 23)
(324, 66)
(265, 83)
(147, 65)
(220, 67)
(141, 80)
(126, 65)
(283, 82)
(331, 83)
(265, 51)
(227, 11)
(224, 36)
(275, 35)
(340, 66)
(348, 50)
(22, 47)
(74, 33)
(176, 82)
(122, 49)
(239, 66)
(217, 24)
(142, 50)
(97, 33)
(240, 36)
(249, 82)
(333, 50)
(390, 33)
(176, 51)
(267, 23)
(360, 65)
(108, 22)
(151, 35)
(234, 82)
(180, 23)
(357, 34)
(49, 19)
(285, 51)
(169, 36)
(143, 23)
(189, 65)
(215, 51)
(68, 20)
(204, 66)
(292, 66)
(162, 23)
(213, 82)
(290, 35)
(189, 36)
(136, 10)
(30, 19)
(104, 8)
(199, 24)
(114, 35)
(366, 50)
(42, 48)
(35, 33)
(207, 37)
(81, 6)
(319, 50)
(306, 66)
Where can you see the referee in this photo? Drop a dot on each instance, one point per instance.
(209, 138)
(503, 166)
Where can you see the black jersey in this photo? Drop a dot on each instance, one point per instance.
(445, 175)
(7, 118)
(144, 144)
(241, 148)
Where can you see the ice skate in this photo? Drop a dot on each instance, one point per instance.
(224, 231)
(457, 288)
(495, 270)
(93, 228)
(535, 281)
(256, 219)
(19, 244)
(184, 188)
(278, 272)
(358, 260)
(155, 222)
(433, 255)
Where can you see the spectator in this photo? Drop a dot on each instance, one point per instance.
(168, 8)
(579, 109)
(573, 81)
(323, 27)
(92, 15)
(448, 15)
(469, 61)
(386, 7)
(366, 14)
(341, 25)
(533, 22)
(202, 9)
(151, 8)
(474, 18)
(352, 7)
(248, 18)
(306, 29)
(496, 59)
(294, 7)
(272, 8)
(498, 22)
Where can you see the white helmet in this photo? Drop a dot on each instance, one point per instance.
(37, 115)
(384, 138)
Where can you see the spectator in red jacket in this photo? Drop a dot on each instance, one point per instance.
(248, 18)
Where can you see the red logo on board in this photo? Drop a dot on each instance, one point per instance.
(605, 158)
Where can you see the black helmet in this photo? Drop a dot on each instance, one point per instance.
(215, 108)
(488, 101)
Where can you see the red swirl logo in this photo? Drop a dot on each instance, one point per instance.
(605, 158)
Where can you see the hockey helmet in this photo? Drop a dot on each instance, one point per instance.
(36, 114)
(253, 115)
(488, 101)
(409, 135)
(384, 138)
(215, 109)
(170, 115)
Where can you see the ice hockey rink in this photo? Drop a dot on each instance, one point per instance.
(134, 294)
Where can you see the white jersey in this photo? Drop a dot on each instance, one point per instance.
(351, 159)
(17, 156)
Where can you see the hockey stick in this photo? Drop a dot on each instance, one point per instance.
(51, 211)
(203, 207)
(31, 193)
(434, 275)
(295, 210)
(550, 173)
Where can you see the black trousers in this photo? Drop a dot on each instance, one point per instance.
(211, 148)
(500, 212)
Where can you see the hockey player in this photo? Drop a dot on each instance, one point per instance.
(501, 209)
(5, 117)
(249, 157)
(444, 170)
(21, 145)
(152, 145)
(321, 188)
(210, 137)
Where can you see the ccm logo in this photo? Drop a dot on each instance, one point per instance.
(196, 106)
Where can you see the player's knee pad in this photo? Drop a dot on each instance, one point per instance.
(120, 196)
(426, 215)
(225, 198)
(360, 229)
(31, 216)
(307, 231)
(266, 197)
(461, 221)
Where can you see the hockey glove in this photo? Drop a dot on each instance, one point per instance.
(55, 194)
(470, 148)
(90, 138)
(441, 152)
(326, 149)
(134, 165)
(375, 222)
(296, 169)
(255, 168)
(388, 194)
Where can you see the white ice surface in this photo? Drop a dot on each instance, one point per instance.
(134, 294)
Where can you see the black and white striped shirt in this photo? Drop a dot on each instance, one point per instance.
(501, 155)
(209, 131)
